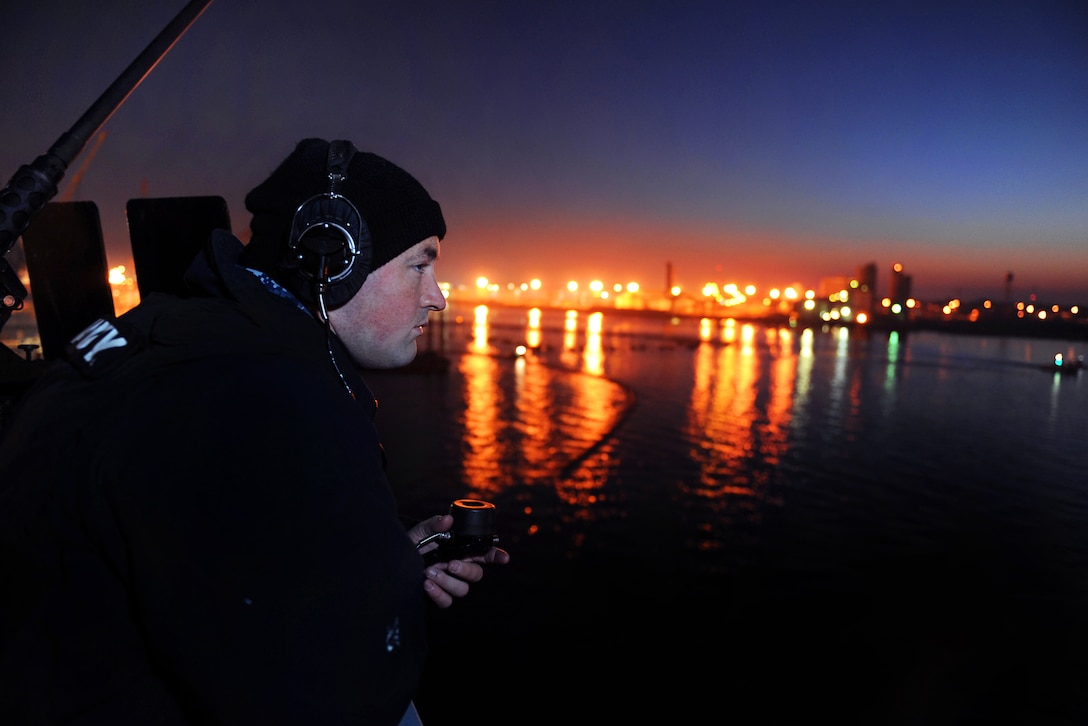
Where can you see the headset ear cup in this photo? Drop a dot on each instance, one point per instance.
(329, 238)
(323, 238)
(331, 244)
(323, 255)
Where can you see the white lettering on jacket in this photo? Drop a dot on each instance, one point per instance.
(98, 336)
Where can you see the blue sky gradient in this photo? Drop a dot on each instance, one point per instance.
(764, 142)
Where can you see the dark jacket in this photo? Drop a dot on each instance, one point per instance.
(196, 527)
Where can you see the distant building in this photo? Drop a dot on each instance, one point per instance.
(899, 285)
(863, 294)
(831, 286)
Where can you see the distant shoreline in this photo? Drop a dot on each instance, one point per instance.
(1030, 327)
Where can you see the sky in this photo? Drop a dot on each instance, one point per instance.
(759, 142)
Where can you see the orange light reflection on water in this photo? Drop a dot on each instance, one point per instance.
(533, 334)
(481, 462)
(479, 328)
(530, 421)
(594, 352)
(556, 422)
(740, 404)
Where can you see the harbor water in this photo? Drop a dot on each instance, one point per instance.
(725, 521)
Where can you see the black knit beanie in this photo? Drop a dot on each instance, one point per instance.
(395, 207)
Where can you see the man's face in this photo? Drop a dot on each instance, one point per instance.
(381, 323)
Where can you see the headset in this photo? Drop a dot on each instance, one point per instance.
(329, 237)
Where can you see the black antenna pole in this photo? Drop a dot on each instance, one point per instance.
(35, 184)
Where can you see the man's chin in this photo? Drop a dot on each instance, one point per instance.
(393, 360)
(405, 357)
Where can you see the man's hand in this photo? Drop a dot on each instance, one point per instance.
(444, 581)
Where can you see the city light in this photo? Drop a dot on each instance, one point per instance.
(861, 299)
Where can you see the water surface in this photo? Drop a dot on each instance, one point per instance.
(873, 527)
